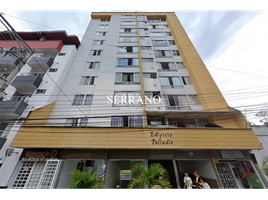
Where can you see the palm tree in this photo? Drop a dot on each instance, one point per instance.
(142, 177)
(265, 166)
(85, 180)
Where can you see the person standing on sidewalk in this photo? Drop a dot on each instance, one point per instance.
(187, 181)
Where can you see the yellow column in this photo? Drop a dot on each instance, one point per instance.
(141, 77)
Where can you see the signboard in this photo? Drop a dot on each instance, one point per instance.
(125, 175)
(231, 154)
(41, 153)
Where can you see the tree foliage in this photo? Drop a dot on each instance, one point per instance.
(142, 177)
(85, 180)
(264, 166)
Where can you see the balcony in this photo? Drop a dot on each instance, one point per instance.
(7, 63)
(13, 108)
(41, 62)
(27, 83)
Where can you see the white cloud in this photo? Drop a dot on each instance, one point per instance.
(247, 54)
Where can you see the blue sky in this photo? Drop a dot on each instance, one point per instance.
(228, 42)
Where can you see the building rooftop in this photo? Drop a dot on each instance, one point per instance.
(48, 35)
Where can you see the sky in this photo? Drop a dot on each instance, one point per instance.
(232, 41)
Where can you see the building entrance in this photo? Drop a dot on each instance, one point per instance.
(168, 165)
(203, 167)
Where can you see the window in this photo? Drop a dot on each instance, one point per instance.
(88, 80)
(128, 39)
(128, 49)
(157, 34)
(92, 65)
(189, 123)
(98, 42)
(171, 42)
(194, 100)
(176, 102)
(165, 26)
(144, 37)
(142, 22)
(127, 121)
(152, 94)
(41, 91)
(155, 27)
(160, 43)
(149, 75)
(143, 29)
(103, 26)
(147, 60)
(99, 33)
(127, 62)
(146, 48)
(180, 65)
(83, 121)
(76, 122)
(186, 80)
(53, 70)
(128, 30)
(95, 52)
(170, 82)
(166, 66)
(168, 34)
(154, 20)
(127, 78)
(62, 54)
(127, 99)
(175, 53)
(88, 99)
(128, 17)
(163, 53)
(78, 100)
(105, 20)
(156, 120)
(128, 23)
(71, 122)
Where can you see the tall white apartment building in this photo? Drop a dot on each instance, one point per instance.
(134, 91)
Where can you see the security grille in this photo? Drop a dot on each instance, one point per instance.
(34, 174)
(226, 176)
(23, 175)
(49, 176)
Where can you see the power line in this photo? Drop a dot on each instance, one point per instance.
(85, 37)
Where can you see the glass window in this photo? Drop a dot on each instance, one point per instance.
(135, 121)
(83, 121)
(78, 99)
(175, 52)
(194, 100)
(128, 23)
(180, 65)
(186, 80)
(88, 99)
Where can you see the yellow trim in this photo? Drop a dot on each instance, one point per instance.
(134, 138)
(39, 116)
(141, 77)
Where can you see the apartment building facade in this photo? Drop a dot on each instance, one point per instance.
(135, 91)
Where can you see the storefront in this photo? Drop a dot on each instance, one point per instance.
(237, 170)
(38, 168)
(49, 168)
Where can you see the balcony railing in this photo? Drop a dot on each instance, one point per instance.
(127, 83)
(27, 82)
(171, 86)
(41, 62)
(13, 107)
